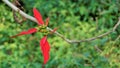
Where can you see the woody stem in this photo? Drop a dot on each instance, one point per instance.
(57, 33)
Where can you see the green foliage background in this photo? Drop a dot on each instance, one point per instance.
(76, 19)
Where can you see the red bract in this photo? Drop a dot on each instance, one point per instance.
(38, 16)
(30, 31)
(45, 47)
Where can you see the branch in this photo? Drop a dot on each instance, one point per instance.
(99, 36)
(57, 33)
(31, 18)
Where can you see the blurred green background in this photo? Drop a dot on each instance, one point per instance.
(76, 19)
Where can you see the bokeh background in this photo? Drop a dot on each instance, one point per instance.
(76, 19)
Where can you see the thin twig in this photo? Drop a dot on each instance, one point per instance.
(43, 65)
(98, 49)
(99, 36)
(15, 16)
(117, 38)
(57, 33)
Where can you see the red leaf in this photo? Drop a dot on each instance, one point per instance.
(47, 21)
(38, 16)
(53, 30)
(45, 47)
(46, 52)
(30, 31)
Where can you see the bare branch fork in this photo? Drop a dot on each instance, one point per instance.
(57, 33)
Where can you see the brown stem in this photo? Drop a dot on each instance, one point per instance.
(57, 33)
(43, 65)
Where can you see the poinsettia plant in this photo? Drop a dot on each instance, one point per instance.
(42, 27)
